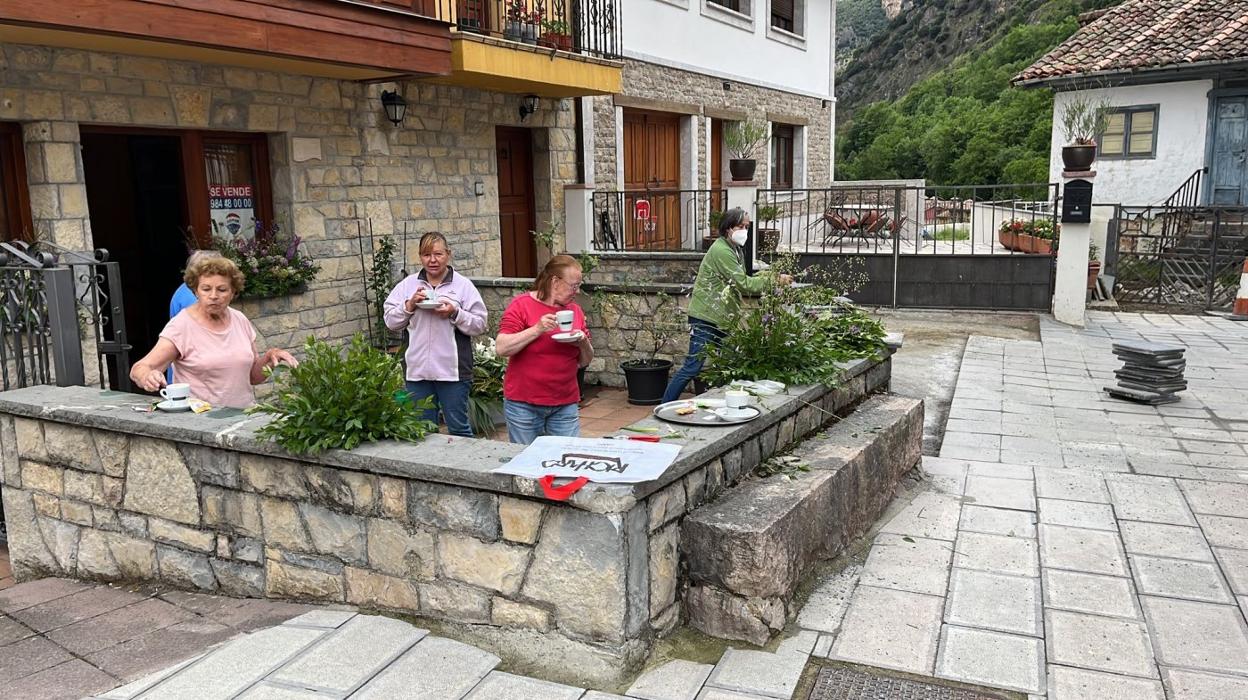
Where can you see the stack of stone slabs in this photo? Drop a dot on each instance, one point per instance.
(1151, 373)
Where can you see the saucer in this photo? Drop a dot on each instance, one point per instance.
(728, 413)
(174, 406)
(567, 337)
(428, 304)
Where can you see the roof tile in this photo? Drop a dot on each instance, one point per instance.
(1142, 34)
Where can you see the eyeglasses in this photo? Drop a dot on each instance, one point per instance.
(573, 287)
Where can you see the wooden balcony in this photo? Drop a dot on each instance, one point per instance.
(347, 39)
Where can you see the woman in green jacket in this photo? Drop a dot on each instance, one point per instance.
(717, 294)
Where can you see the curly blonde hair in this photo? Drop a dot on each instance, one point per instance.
(209, 266)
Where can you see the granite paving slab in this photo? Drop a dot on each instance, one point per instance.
(890, 629)
(505, 686)
(991, 658)
(994, 601)
(758, 672)
(674, 680)
(1066, 683)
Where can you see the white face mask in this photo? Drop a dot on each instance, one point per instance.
(739, 235)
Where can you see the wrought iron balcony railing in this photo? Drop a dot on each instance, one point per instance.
(590, 27)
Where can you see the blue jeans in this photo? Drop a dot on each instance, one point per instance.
(527, 422)
(452, 397)
(701, 333)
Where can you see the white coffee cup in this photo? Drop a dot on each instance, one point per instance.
(176, 392)
(736, 398)
(564, 319)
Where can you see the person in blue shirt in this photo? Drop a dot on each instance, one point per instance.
(184, 297)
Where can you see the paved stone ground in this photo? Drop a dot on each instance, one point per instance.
(66, 639)
(1073, 546)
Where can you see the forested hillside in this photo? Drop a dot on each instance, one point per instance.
(958, 124)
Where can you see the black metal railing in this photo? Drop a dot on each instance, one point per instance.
(655, 220)
(1188, 194)
(1178, 258)
(590, 27)
(885, 218)
(44, 299)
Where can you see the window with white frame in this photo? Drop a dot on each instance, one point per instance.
(738, 13)
(742, 6)
(788, 15)
(1130, 132)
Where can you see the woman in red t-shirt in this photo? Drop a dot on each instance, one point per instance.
(539, 390)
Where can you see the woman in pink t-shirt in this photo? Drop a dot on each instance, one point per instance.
(211, 346)
(539, 389)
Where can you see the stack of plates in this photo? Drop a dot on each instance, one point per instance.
(1151, 373)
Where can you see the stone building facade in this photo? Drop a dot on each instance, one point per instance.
(339, 169)
(698, 98)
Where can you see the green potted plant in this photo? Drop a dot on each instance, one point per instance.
(485, 400)
(1094, 265)
(742, 139)
(1083, 120)
(650, 320)
(556, 34)
(768, 234)
(338, 400)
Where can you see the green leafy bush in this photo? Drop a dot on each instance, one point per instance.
(339, 400)
(781, 338)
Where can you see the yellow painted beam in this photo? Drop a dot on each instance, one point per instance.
(520, 68)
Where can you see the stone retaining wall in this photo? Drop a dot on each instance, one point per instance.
(97, 491)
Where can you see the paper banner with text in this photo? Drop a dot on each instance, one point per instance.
(599, 460)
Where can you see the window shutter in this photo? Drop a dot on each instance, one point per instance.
(782, 9)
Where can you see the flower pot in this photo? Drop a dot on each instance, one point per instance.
(562, 42)
(1094, 271)
(528, 33)
(647, 380)
(708, 241)
(742, 169)
(1078, 157)
(768, 239)
(513, 31)
(1008, 239)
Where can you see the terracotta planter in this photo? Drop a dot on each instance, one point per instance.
(1094, 271)
(562, 42)
(1008, 239)
(1026, 243)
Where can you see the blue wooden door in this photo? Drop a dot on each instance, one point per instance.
(1229, 176)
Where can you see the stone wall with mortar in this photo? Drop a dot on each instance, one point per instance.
(94, 490)
(704, 94)
(337, 164)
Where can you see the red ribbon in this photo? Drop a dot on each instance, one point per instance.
(561, 493)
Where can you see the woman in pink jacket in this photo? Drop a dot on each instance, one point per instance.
(441, 311)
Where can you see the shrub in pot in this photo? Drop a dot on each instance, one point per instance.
(556, 34)
(648, 322)
(742, 140)
(485, 399)
(1083, 120)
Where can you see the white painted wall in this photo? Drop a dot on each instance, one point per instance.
(1182, 123)
(696, 36)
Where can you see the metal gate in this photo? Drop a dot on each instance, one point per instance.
(47, 301)
(1177, 257)
(960, 247)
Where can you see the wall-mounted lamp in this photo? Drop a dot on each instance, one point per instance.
(395, 106)
(727, 86)
(528, 106)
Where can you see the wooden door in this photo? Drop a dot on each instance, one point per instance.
(15, 221)
(1229, 179)
(516, 217)
(652, 173)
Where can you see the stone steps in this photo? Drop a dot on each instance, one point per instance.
(747, 552)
